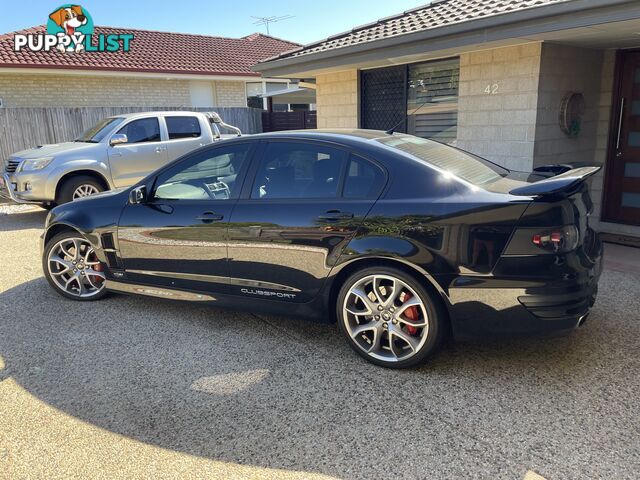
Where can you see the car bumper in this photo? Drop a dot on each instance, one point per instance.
(14, 187)
(519, 305)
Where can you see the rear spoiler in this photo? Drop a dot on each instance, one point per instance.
(563, 183)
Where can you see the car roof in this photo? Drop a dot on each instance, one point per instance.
(176, 113)
(345, 136)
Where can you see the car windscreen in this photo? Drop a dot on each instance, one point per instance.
(99, 130)
(466, 166)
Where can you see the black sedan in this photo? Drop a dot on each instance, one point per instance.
(400, 240)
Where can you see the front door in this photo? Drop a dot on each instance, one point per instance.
(143, 153)
(177, 238)
(298, 217)
(622, 188)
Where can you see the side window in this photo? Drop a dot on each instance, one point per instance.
(182, 127)
(364, 179)
(299, 170)
(142, 130)
(210, 175)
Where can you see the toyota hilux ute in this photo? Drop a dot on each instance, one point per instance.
(117, 152)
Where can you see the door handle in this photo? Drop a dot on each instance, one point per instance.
(334, 216)
(160, 149)
(115, 153)
(210, 217)
(618, 152)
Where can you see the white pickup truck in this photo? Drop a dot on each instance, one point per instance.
(116, 152)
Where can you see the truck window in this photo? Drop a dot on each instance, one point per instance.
(182, 127)
(142, 130)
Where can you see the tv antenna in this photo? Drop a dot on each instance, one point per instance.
(267, 20)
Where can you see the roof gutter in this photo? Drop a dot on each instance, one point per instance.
(578, 13)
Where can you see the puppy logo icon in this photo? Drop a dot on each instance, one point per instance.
(70, 21)
(70, 29)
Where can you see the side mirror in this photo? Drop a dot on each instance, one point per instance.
(138, 195)
(118, 139)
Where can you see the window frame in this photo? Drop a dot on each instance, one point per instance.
(194, 158)
(182, 139)
(138, 143)
(257, 156)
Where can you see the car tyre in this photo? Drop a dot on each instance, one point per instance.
(68, 255)
(77, 187)
(406, 324)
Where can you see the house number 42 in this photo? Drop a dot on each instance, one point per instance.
(492, 89)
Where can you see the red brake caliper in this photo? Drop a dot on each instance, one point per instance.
(410, 313)
(98, 267)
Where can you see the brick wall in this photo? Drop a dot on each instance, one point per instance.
(497, 104)
(37, 90)
(337, 99)
(567, 69)
(231, 94)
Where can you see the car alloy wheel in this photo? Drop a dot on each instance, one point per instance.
(84, 190)
(385, 318)
(75, 269)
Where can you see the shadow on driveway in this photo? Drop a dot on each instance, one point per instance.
(289, 394)
(18, 217)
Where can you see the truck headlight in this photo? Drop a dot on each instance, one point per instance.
(35, 164)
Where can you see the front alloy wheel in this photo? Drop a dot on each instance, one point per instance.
(388, 317)
(73, 269)
(84, 190)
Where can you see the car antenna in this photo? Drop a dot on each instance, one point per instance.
(406, 117)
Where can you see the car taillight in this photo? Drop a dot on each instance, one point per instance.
(537, 240)
(560, 240)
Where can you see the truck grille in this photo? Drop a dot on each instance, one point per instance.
(11, 165)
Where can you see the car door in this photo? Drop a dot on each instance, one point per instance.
(143, 153)
(297, 214)
(184, 134)
(177, 238)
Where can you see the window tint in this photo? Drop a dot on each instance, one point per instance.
(364, 180)
(466, 166)
(211, 175)
(298, 170)
(183, 127)
(142, 130)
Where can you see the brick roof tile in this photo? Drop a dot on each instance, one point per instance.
(157, 52)
(439, 13)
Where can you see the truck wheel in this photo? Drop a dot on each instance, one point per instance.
(78, 187)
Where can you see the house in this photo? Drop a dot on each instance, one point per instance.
(521, 82)
(161, 69)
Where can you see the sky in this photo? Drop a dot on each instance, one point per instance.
(312, 20)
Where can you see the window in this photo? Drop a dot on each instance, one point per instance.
(364, 180)
(182, 127)
(100, 130)
(298, 170)
(210, 175)
(420, 99)
(432, 103)
(466, 166)
(254, 89)
(142, 130)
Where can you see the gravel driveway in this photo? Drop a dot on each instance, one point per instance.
(136, 387)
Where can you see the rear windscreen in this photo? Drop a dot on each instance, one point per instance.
(466, 166)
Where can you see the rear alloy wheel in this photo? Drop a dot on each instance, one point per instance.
(73, 269)
(388, 317)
